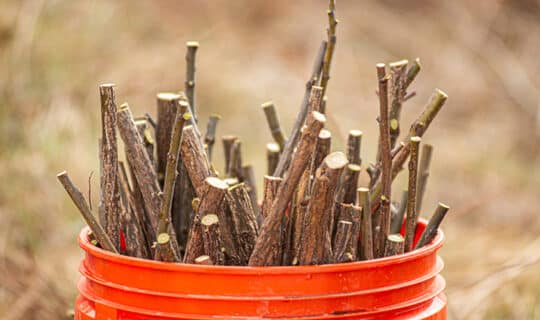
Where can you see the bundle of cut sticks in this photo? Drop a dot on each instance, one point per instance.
(168, 202)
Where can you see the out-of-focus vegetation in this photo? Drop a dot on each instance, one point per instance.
(484, 54)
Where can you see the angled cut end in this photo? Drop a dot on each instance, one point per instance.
(62, 174)
(336, 160)
(441, 95)
(319, 116)
(272, 147)
(216, 183)
(443, 206)
(267, 105)
(398, 64)
(354, 167)
(395, 237)
(123, 106)
(209, 219)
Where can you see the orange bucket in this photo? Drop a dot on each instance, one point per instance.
(407, 286)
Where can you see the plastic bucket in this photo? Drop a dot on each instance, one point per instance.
(407, 286)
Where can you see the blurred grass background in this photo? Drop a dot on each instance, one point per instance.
(55, 53)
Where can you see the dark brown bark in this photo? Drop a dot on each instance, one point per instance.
(167, 106)
(210, 136)
(294, 137)
(313, 104)
(78, 199)
(213, 243)
(251, 185)
(244, 220)
(352, 213)
(228, 142)
(382, 216)
(235, 169)
(272, 157)
(412, 214)
(331, 32)
(366, 241)
(146, 135)
(354, 145)
(433, 225)
(348, 184)
(211, 202)
(270, 188)
(341, 243)
(141, 164)
(394, 245)
(109, 196)
(267, 248)
(322, 149)
(195, 161)
(315, 246)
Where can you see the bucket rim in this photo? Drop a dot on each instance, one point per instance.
(426, 250)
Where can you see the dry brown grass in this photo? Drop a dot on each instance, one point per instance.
(486, 164)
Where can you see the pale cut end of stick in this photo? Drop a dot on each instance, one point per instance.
(356, 133)
(231, 181)
(319, 117)
(163, 238)
(123, 106)
(168, 96)
(209, 219)
(272, 147)
(325, 134)
(399, 63)
(416, 139)
(395, 238)
(336, 160)
(192, 44)
(106, 85)
(394, 245)
(195, 204)
(217, 183)
(203, 260)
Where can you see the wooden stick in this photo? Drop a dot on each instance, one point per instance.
(228, 142)
(189, 87)
(267, 247)
(366, 241)
(397, 221)
(210, 136)
(394, 245)
(249, 179)
(433, 225)
(312, 104)
(167, 106)
(235, 169)
(78, 199)
(423, 174)
(270, 188)
(203, 260)
(213, 244)
(272, 157)
(109, 196)
(354, 144)
(401, 152)
(413, 72)
(412, 214)
(341, 242)
(244, 220)
(195, 160)
(331, 32)
(166, 251)
(273, 123)
(211, 202)
(322, 149)
(146, 135)
(137, 241)
(315, 247)
(398, 90)
(141, 164)
(348, 184)
(382, 216)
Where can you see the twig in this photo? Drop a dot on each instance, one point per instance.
(249, 179)
(267, 248)
(315, 247)
(272, 157)
(394, 245)
(146, 135)
(433, 225)
(273, 123)
(412, 214)
(189, 88)
(109, 197)
(212, 241)
(423, 174)
(331, 33)
(354, 144)
(413, 72)
(270, 188)
(366, 242)
(397, 84)
(235, 169)
(78, 199)
(140, 163)
(165, 250)
(90, 189)
(397, 221)
(195, 160)
(382, 216)
(210, 136)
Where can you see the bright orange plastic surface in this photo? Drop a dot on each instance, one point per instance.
(407, 286)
